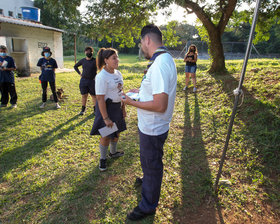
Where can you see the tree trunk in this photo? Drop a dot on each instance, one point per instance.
(216, 52)
(215, 31)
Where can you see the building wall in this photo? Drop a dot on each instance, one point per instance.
(32, 41)
(14, 6)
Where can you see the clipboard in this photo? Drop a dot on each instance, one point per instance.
(105, 131)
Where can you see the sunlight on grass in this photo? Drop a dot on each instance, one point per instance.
(49, 162)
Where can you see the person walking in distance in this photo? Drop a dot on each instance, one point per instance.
(190, 68)
(109, 108)
(154, 108)
(48, 66)
(87, 82)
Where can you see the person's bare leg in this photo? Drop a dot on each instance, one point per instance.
(187, 80)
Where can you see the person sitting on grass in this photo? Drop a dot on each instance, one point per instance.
(7, 79)
(109, 109)
(48, 66)
(87, 82)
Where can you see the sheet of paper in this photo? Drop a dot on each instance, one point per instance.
(4, 64)
(134, 96)
(105, 131)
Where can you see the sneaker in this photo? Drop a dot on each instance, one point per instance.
(185, 88)
(102, 165)
(138, 214)
(116, 154)
(57, 106)
(43, 105)
(82, 113)
(194, 89)
(138, 181)
(14, 106)
(3, 105)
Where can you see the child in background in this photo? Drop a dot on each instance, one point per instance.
(48, 66)
(7, 79)
(109, 109)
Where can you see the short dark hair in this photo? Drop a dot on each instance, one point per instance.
(151, 28)
(89, 49)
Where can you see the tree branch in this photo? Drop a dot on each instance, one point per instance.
(226, 14)
(199, 11)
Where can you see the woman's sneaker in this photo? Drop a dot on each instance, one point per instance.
(116, 154)
(43, 105)
(185, 88)
(102, 165)
(57, 106)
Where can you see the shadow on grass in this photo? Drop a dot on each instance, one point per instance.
(11, 117)
(14, 158)
(262, 128)
(197, 203)
(100, 197)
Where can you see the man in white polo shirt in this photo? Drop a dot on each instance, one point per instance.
(155, 108)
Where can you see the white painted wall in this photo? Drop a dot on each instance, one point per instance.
(14, 6)
(33, 39)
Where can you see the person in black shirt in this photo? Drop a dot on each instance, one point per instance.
(190, 69)
(48, 66)
(87, 82)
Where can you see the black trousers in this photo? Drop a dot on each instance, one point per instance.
(7, 89)
(151, 152)
(44, 87)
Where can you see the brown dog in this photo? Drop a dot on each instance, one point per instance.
(59, 94)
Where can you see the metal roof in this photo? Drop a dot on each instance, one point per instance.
(21, 22)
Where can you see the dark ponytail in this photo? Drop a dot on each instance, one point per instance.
(102, 54)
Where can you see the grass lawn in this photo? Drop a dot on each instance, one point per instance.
(49, 162)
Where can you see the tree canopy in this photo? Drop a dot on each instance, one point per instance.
(122, 20)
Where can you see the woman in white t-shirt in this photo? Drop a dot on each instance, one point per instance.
(109, 108)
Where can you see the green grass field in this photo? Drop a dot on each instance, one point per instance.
(49, 162)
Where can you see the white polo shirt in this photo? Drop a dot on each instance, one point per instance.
(160, 78)
(110, 85)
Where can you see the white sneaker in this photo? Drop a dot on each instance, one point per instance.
(43, 105)
(57, 106)
(185, 88)
(14, 106)
(194, 89)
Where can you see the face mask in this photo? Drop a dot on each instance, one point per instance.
(3, 54)
(47, 54)
(89, 55)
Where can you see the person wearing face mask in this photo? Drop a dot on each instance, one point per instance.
(190, 69)
(109, 109)
(87, 82)
(48, 66)
(7, 79)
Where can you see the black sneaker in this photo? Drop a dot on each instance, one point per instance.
(138, 181)
(82, 113)
(116, 154)
(138, 214)
(102, 165)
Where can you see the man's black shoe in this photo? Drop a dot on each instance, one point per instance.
(138, 181)
(137, 214)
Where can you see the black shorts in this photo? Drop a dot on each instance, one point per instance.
(87, 86)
